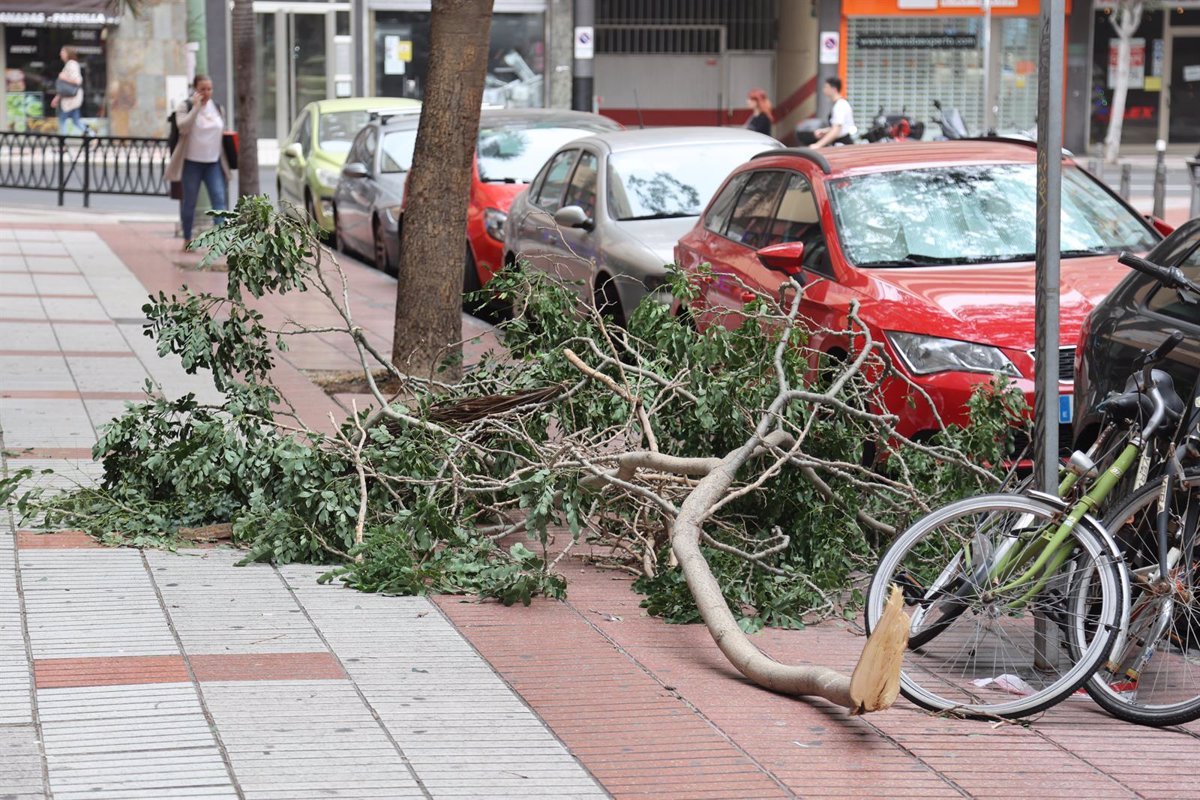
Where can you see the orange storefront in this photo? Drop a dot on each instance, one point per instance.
(904, 54)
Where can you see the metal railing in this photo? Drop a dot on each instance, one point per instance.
(84, 165)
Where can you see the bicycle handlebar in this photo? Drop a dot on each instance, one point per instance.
(1159, 353)
(1171, 277)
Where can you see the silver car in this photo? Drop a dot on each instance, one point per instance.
(368, 199)
(605, 212)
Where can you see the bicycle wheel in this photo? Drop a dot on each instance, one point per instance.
(1153, 674)
(986, 640)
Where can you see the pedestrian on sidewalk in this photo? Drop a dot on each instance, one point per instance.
(763, 113)
(841, 129)
(199, 156)
(68, 92)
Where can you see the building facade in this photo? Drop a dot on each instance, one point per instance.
(128, 64)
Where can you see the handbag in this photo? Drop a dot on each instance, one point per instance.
(65, 88)
(229, 145)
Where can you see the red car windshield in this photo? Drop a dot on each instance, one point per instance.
(514, 155)
(973, 215)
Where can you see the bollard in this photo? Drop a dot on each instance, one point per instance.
(1194, 173)
(1160, 179)
(1096, 167)
(1126, 181)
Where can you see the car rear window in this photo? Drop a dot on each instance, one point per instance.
(973, 214)
(337, 129)
(674, 180)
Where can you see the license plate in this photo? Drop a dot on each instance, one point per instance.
(1066, 408)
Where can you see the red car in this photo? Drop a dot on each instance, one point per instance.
(935, 240)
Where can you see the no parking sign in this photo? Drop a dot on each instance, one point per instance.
(830, 45)
(585, 42)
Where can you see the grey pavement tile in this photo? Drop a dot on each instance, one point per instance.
(105, 374)
(102, 412)
(65, 474)
(219, 608)
(84, 309)
(30, 422)
(430, 687)
(31, 335)
(90, 337)
(24, 235)
(56, 263)
(16, 283)
(42, 247)
(9, 246)
(117, 760)
(89, 603)
(168, 373)
(47, 373)
(21, 308)
(305, 739)
(122, 295)
(61, 284)
(20, 763)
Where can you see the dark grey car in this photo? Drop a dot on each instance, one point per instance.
(605, 212)
(366, 204)
(1138, 315)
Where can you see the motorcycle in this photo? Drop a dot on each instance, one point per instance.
(894, 127)
(951, 123)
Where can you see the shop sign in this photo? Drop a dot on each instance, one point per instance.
(59, 19)
(917, 41)
(918, 5)
(1137, 62)
(979, 3)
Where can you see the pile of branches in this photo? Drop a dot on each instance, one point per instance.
(577, 436)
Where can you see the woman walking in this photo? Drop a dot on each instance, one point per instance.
(68, 92)
(763, 116)
(198, 156)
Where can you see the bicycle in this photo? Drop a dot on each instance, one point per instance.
(1015, 600)
(1152, 676)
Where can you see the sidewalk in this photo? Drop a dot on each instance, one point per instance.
(130, 674)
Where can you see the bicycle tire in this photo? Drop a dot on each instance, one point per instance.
(987, 640)
(1165, 690)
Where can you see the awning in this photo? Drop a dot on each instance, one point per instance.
(58, 12)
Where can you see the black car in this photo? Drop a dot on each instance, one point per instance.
(1137, 315)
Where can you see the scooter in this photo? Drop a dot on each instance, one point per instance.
(894, 127)
(951, 123)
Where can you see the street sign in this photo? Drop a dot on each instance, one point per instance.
(830, 45)
(585, 42)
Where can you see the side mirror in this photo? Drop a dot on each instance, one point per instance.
(1159, 225)
(294, 151)
(355, 169)
(573, 217)
(786, 258)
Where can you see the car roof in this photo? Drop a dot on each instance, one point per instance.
(887, 156)
(647, 138)
(364, 104)
(520, 118)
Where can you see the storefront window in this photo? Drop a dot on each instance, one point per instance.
(516, 61)
(31, 63)
(905, 63)
(1016, 100)
(1145, 79)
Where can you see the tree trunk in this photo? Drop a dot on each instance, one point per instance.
(1125, 20)
(429, 288)
(245, 84)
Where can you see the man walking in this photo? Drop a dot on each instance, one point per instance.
(841, 128)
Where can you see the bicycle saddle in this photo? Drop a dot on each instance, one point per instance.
(1134, 403)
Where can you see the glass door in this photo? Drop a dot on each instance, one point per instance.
(1184, 100)
(268, 79)
(308, 38)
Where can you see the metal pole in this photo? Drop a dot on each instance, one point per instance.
(1049, 219)
(583, 87)
(1160, 179)
(1193, 165)
(987, 67)
(1126, 181)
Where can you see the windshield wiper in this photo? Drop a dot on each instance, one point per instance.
(660, 215)
(500, 180)
(911, 260)
(1076, 253)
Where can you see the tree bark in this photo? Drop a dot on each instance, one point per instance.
(245, 95)
(1125, 21)
(429, 287)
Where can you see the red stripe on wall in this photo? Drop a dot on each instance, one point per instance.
(796, 98)
(662, 117)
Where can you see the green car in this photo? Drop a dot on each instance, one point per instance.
(311, 158)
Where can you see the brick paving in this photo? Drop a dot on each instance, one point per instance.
(128, 674)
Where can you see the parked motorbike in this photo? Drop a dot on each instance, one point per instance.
(951, 122)
(893, 127)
